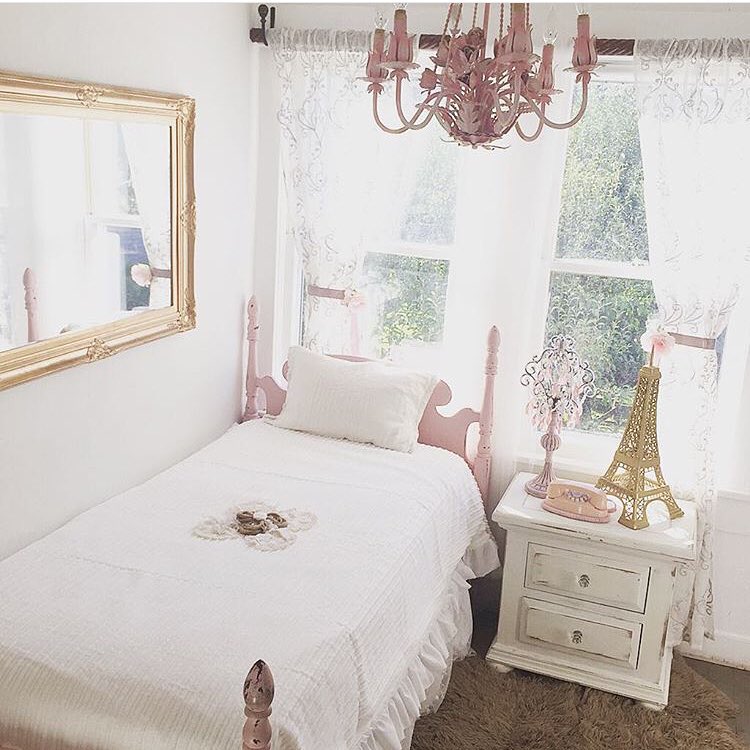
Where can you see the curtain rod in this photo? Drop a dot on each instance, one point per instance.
(612, 47)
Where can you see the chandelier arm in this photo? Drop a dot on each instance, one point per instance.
(411, 124)
(404, 128)
(571, 122)
(379, 122)
(537, 132)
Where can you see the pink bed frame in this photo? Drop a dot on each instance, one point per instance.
(434, 429)
(30, 301)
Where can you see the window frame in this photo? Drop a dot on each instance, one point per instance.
(598, 447)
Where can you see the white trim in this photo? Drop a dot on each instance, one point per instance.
(729, 649)
(428, 250)
(616, 69)
(607, 268)
(590, 470)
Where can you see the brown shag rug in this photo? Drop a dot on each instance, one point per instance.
(487, 710)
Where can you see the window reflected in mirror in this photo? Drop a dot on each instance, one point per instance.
(85, 223)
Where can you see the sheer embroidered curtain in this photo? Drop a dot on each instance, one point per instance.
(694, 110)
(342, 186)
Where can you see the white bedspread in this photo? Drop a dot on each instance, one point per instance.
(123, 631)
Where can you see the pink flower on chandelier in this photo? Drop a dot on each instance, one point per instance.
(476, 95)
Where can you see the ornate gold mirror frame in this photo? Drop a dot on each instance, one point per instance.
(31, 95)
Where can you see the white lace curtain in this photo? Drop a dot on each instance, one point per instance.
(694, 107)
(342, 185)
(148, 156)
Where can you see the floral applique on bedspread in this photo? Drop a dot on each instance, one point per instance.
(261, 527)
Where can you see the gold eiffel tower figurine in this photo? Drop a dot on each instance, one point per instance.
(635, 472)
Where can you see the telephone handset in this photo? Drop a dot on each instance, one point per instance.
(576, 500)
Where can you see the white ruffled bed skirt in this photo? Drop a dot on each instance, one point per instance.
(426, 679)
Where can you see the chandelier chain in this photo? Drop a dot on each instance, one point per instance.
(457, 24)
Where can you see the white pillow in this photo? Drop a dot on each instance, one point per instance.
(366, 402)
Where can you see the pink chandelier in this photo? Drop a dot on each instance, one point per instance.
(475, 96)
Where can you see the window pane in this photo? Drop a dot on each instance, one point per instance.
(408, 294)
(132, 252)
(431, 212)
(112, 182)
(606, 317)
(602, 215)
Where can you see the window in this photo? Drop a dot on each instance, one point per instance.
(409, 292)
(112, 204)
(405, 282)
(599, 287)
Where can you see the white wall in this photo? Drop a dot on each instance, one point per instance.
(72, 439)
(616, 20)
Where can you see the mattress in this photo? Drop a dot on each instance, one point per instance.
(123, 630)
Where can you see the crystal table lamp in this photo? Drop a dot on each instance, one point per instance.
(559, 382)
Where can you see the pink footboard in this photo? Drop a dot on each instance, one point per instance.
(258, 695)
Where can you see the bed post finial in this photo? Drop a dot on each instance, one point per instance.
(483, 460)
(29, 285)
(258, 694)
(251, 382)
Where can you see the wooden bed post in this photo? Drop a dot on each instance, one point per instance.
(251, 383)
(29, 285)
(483, 461)
(258, 694)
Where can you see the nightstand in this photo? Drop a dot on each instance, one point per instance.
(589, 602)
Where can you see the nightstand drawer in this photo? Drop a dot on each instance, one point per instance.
(585, 577)
(583, 633)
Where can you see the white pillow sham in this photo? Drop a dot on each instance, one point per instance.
(366, 402)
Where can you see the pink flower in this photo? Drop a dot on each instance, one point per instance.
(660, 341)
(353, 299)
(141, 274)
(429, 79)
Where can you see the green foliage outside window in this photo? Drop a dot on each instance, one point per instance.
(606, 317)
(603, 217)
(414, 292)
(602, 213)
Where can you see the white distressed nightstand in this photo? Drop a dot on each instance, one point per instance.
(588, 602)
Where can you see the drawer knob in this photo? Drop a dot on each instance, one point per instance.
(584, 581)
(576, 636)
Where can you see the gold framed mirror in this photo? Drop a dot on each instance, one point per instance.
(97, 222)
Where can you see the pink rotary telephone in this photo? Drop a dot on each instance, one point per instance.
(580, 501)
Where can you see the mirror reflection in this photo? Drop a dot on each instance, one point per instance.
(85, 223)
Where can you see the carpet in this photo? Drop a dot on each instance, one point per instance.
(487, 710)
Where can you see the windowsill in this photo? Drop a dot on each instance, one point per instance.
(588, 472)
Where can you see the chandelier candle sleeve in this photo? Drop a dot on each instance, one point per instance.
(375, 72)
(476, 97)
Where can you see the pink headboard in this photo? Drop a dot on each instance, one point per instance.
(434, 428)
